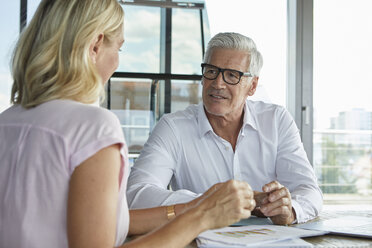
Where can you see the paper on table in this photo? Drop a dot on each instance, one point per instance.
(289, 243)
(256, 234)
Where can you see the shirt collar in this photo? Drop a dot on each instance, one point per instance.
(248, 118)
(204, 125)
(203, 122)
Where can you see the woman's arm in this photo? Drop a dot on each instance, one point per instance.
(92, 207)
(145, 220)
(139, 218)
(223, 205)
(92, 200)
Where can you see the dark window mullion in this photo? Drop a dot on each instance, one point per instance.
(23, 15)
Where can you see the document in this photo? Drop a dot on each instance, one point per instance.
(358, 226)
(255, 235)
(289, 243)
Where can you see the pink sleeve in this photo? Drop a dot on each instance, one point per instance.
(97, 135)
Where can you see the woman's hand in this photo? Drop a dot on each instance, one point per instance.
(226, 203)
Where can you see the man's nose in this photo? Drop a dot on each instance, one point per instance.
(219, 83)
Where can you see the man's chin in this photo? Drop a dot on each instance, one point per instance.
(215, 112)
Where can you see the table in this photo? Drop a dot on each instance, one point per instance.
(326, 241)
(339, 241)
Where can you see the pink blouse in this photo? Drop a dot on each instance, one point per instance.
(39, 150)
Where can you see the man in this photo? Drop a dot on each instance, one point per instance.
(228, 137)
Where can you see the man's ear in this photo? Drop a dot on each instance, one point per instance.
(95, 48)
(253, 88)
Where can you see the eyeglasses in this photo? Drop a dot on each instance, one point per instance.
(230, 76)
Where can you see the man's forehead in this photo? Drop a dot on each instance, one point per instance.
(230, 56)
(229, 50)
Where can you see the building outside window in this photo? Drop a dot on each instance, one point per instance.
(342, 99)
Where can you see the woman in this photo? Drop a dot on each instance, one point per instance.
(64, 167)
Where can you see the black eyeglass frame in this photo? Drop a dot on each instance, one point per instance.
(222, 70)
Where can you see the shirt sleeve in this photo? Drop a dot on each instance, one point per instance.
(97, 128)
(295, 172)
(154, 169)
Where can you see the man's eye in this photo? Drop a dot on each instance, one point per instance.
(232, 74)
(211, 71)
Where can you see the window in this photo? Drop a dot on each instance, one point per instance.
(187, 55)
(140, 52)
(187, 52)
(9, 28)
(31, 8)
(159, 68)
(185, 93)
(130, 101)
(266, 23)
(342, 147)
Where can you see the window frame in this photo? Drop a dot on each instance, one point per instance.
(300, 69)
(299, 63)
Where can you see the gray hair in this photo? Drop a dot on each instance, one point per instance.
(239, 42)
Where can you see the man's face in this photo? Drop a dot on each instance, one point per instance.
(222, 99)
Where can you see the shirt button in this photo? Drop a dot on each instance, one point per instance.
(226, 148)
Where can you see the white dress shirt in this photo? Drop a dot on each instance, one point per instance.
(185, 152)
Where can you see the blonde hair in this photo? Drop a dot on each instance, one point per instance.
(51, 59)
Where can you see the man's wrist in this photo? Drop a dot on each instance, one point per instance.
(294, 221)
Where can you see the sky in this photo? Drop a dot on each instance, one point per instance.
(342, 57)
(342, 51)
(9, 27)
(266, 23)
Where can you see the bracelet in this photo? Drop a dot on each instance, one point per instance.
(170, 212)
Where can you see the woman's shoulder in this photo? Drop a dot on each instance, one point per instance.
(66, 116)
(77, 111)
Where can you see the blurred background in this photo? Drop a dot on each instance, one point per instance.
(317, 63)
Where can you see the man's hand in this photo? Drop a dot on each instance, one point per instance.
(275, 202)
(260, 199)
